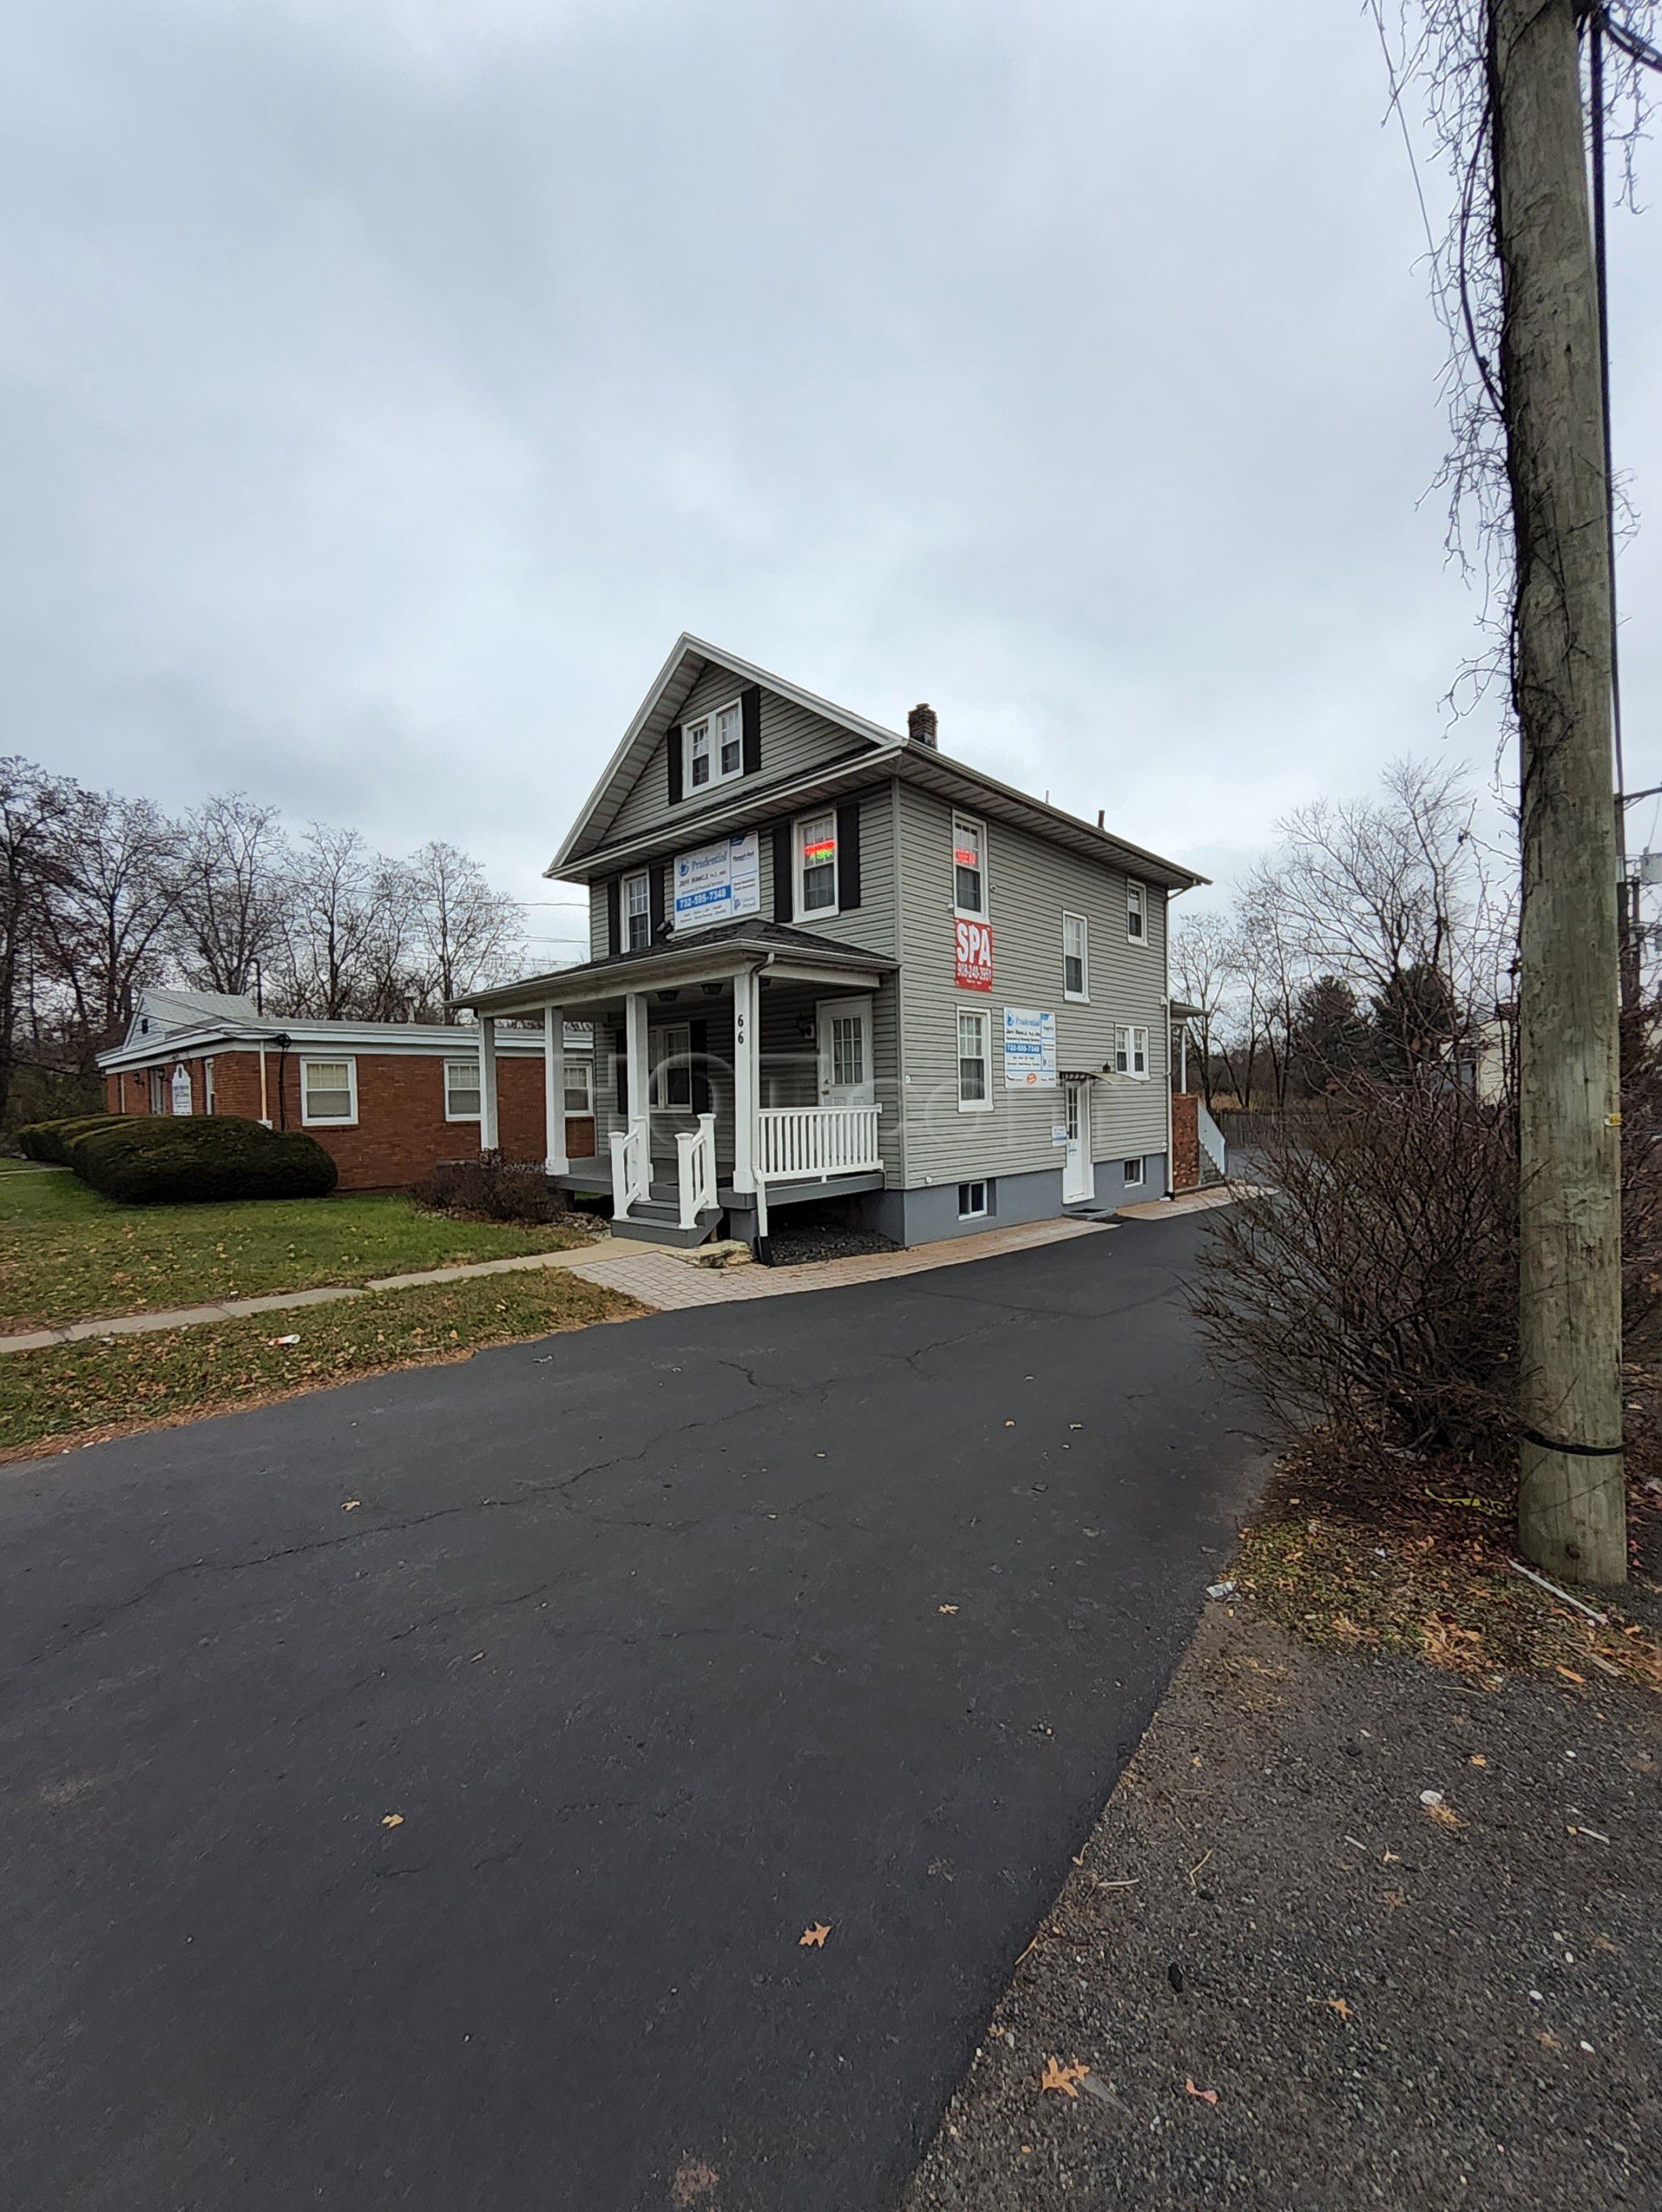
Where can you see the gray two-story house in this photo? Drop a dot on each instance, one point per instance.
(829, 960)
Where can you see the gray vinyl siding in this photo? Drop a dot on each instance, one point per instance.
(794, 741)
(1029, 885)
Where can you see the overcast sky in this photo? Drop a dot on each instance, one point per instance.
(387, 383)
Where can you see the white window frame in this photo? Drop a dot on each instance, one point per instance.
(961, 1014)
(209, 1102)
(1137, 904)
(982, 912)
(662, 1053)
(1082, 996)
(1135, 1182)
(472, 1067)
(1127, 1048)
(347, 1060)
(973, 1212)
(582, 1071)
(708, 723)
(804, 911)
(643, 876)
(161, 1101)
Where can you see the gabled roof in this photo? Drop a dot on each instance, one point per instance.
(656, 714)
(164, 1007)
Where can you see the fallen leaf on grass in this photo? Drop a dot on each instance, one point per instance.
(1063, 2078)
(1206, 2096)
(1570, 1675)
(813, 1939)
(392, 1820)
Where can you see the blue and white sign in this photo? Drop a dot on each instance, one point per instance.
(1029, 1049)
(719, 882)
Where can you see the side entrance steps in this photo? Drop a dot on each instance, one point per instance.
(657, 1220)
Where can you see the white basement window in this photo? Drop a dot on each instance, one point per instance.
(715, 747)
(974, 1064)
(1076, 958)
(1137, 914)
(1132, 1051)
(972, 1202)
(328, 1093)
(1133, 1173)
(461, 1090)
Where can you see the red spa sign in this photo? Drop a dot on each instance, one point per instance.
(973, 968)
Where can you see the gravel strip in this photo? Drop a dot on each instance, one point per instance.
(1393, 2002)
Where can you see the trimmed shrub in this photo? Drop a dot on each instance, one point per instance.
(46, 1139)
(164, 1160)
(493, 1189)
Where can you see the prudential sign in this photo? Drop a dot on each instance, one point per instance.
(717, 883)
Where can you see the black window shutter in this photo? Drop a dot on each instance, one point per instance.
(698, 1044)
(750, 712)
(848, 855)
(655, 899)
(672, 750)
(614, 917)
(784, 870)
(621, 1068)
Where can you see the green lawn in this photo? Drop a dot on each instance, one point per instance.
(72, 1392)
(68, 1255)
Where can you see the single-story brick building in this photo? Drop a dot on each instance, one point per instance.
(388, 1099)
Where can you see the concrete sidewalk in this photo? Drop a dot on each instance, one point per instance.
(656, 1276)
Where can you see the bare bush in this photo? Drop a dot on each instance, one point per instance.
(492, 1189)
(1373, 1290)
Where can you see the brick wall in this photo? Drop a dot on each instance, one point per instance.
(1185, 1141)
(401, 1130)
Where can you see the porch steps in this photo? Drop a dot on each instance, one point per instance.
(658, 1221)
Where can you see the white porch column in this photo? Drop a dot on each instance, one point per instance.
(635, 1041)
(554, 1089)
(487, 1122)
(747, 1087)
(1182, 1050)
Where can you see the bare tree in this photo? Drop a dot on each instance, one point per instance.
(31, 812)
(1199, 971)
(463, 933)
(334, 928)
(233, 888)
(112, 899)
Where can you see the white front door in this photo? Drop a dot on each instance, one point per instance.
(845, 1052)
(1078, 1181)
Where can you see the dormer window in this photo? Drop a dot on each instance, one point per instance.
(715, 747)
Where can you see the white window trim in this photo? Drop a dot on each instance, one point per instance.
(1137, 937)
(982, 1213)
(1131, 1032)
(1135, 1182)
(472, 1068)
(974, 1013)
(983, 913)
(210, 1104)
(708, 720)
(636, 875)
(1079, 997)
(585, 1070)
(818, 913)
(661, 1057)
(330, 1060)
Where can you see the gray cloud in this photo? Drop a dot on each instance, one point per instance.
(384, 386)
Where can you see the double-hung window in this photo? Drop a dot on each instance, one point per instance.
(637, 911)
(579, 1086)
(715, 747)
(1131, 1052)
(1076, 958)
(673, 1068)
(974, 1063)
(1136, 913)
(461, 1090)
(969, 868)
(328, 1093)
(816, 863)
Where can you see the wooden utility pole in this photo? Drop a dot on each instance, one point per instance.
(1572, 1511)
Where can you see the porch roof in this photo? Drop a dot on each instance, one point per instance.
(706, 955)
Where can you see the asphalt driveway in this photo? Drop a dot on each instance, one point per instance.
(413, 1795)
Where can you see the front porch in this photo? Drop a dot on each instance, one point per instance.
(727, 1081)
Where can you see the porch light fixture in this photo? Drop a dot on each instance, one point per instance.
(805, 1025)
(664, 997)
(710, 990)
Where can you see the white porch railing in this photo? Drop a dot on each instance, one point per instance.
(632, 1166)
(695, 1169)
(1212, 1138)
(796, 1141)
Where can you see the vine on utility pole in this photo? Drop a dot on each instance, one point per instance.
(1572, 1510)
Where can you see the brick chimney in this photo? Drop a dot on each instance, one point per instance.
(921, 725)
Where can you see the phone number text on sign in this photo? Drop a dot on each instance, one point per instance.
(973, 965)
